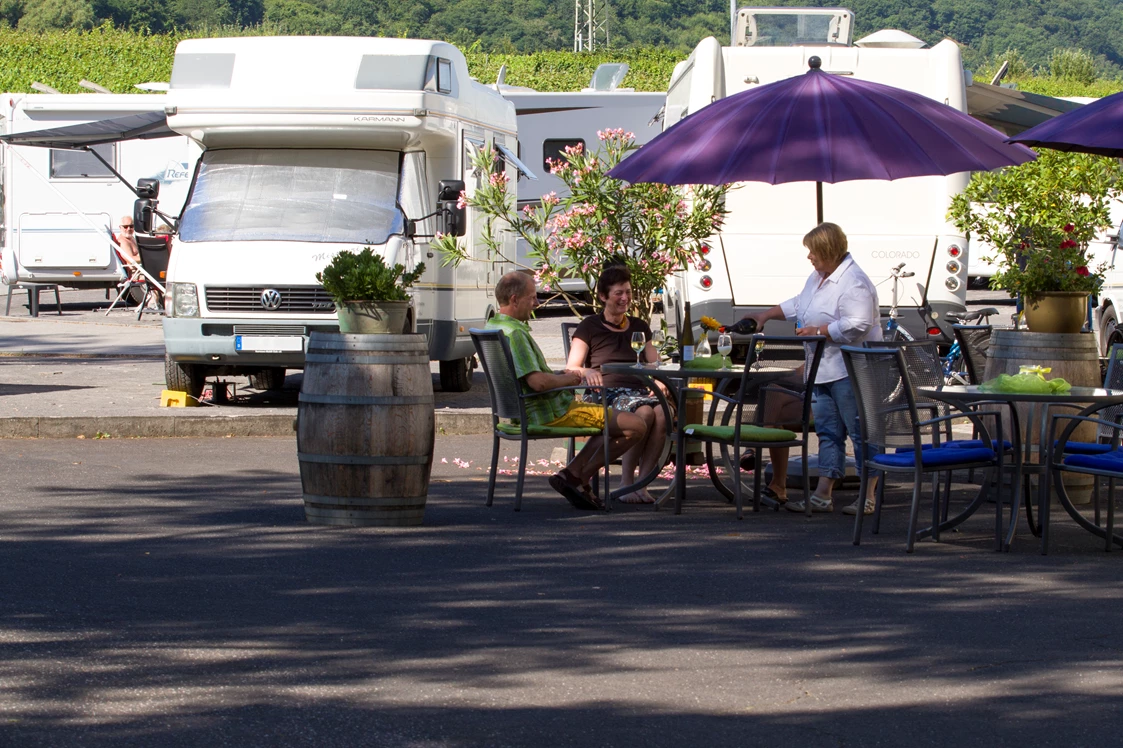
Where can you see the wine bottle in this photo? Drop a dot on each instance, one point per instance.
(686, 340)
(745, 326)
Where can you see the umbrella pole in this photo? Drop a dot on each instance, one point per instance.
(818, 203)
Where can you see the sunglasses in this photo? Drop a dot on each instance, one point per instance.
(126, 225)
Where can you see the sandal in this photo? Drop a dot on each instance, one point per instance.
(637, 497)
(573, 492)
(768, 493)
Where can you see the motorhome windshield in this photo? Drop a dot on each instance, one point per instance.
(298, 195)
(787, 29)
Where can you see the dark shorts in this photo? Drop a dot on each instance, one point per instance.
(624, 399)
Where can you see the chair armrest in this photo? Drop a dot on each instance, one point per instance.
(976, 418)
(1116, 427)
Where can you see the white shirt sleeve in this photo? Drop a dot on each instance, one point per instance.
(855, 306)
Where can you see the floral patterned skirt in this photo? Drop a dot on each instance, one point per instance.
(624, 399)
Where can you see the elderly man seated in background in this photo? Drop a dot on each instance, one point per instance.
(518, 297)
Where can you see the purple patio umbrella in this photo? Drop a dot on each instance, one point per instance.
(819, 127)
(1096, 128)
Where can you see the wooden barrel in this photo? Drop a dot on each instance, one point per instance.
(1071, 356)
(365, 429)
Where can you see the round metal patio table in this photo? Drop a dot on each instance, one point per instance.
(1089, 399)
(674, 376)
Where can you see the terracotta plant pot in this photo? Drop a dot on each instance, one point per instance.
(1058, 312)
(372, 317)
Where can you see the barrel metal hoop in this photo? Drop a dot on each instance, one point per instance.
(363, 459)
(307, 397)
(342, 358)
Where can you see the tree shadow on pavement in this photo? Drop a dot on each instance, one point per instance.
(188, 603)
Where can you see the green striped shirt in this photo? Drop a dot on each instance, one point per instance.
(529, 359)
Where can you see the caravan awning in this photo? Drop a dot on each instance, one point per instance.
(1011, 111)
(145, 126)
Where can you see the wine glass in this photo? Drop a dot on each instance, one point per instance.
(638, 342)
(657, 340)
(724, 347)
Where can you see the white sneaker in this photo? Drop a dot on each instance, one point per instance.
(852, 509)
(817, 505)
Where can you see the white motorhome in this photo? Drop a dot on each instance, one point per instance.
(58, 206)
(314, 145)
(758, 258)
(549, 122)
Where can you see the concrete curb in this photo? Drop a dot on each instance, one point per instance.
(185, 426)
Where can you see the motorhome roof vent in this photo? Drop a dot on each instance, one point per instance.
(890, 39)
(607, 76)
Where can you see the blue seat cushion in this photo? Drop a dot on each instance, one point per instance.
(961, 444)
(937, 457)
(1084, 448)
(1109, 462)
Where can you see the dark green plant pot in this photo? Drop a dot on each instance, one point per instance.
(372, 317)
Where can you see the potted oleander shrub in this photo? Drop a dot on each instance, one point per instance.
(370, 296)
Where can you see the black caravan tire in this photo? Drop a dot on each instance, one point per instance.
(456, 375)
(272, 378)
(188, 378)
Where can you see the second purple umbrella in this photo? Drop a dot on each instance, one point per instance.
(820, 127)
(1096, 128)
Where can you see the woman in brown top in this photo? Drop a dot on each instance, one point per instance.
(607, 338)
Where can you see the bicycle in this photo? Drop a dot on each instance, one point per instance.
(891, 329)
(953, 364)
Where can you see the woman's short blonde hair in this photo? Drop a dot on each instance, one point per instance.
(827, 242)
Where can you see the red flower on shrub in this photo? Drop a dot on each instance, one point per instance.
(1069, 228)
(1068, 244)
(1082, 270)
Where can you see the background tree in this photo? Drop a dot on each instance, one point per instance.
(47, 15)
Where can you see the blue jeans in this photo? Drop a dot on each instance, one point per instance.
(836, 414)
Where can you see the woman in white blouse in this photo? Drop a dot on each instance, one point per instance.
(838, 302)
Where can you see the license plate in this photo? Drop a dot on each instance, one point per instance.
(269, 343)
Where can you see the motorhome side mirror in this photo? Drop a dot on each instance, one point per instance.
(453, 217)
(144, 214)
(148, 188)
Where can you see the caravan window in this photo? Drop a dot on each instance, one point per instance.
(301, 195)
(79, 164)
(555, 149)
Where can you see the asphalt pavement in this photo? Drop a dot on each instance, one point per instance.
(169, 593)
(86, 373)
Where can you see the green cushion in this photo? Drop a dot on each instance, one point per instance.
(556, 431)
(749, 433)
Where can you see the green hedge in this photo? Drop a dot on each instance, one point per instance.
(120, 59)
(111, 58)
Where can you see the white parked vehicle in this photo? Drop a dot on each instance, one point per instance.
(313, 145)
(58, 206)
(549, 122)
(758, 258)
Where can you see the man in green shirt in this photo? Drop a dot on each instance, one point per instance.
(518, 297)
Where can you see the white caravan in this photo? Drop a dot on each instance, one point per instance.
(549, 122)
(313, 145)
(58, 206)
(758, 259)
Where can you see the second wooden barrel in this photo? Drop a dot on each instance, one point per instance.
(1073, 356)
(365, 429)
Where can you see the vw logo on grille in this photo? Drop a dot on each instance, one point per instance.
(271, 299)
